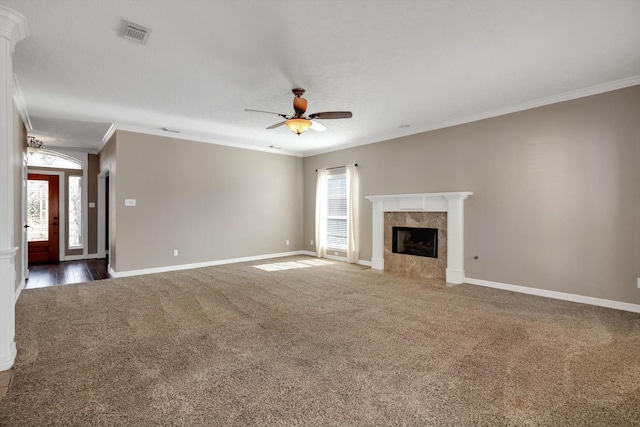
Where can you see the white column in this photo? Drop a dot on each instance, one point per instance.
(377, 233)
(13, 28)
(455, 240)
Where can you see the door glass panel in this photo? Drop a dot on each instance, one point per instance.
(37, 210)
(75, 212)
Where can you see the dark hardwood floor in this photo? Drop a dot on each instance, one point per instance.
(65, 273)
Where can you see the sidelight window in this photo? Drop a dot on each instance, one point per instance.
(75, 212)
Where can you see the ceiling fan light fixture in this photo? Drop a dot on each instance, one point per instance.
(298, 122)
(298, 125)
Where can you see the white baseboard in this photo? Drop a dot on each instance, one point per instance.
(81, 257)
(6, 360)
(20, 288)
(168, 268)
(618, 305)
(337, 258)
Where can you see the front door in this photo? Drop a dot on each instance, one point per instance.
(42, 218)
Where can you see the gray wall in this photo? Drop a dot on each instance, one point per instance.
(210, 202)
(556, 201)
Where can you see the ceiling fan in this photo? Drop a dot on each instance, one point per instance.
(298, 123)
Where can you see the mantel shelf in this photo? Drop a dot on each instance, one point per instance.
(452, 194)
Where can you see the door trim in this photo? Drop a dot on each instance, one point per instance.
(102, 184)
(25, 243)
(62, 208)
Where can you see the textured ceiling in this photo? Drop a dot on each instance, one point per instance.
(425, 64)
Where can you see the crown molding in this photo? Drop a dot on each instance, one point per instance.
(20, 104)
(555, 99)
(567, 96)
(187, 137)
(107, 136)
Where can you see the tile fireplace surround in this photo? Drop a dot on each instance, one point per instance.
(452, 203)
(418, 267)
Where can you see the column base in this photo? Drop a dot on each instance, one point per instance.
(6, 360)
(7, 308)
(455, 276)
(377, 263)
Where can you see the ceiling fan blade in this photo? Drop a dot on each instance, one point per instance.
(268, 112)
(317, 126)
(331, 115)
(276, 125)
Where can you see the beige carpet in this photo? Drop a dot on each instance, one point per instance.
(330, 345)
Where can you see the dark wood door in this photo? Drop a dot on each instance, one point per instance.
(43, 205)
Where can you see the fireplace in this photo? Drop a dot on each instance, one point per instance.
(415, 244)
(415, 241)
(452, 203)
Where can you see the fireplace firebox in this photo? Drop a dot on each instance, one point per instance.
(415, 241)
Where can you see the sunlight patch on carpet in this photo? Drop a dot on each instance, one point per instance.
(278, 266)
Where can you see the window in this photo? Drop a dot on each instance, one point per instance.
(337, 212)
(75, 212)
(337, 219)
(50, 159)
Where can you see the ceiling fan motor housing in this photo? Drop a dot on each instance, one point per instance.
(299, 105)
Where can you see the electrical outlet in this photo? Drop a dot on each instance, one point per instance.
(311, 243)
(175, 252)
(287, 243)
(336, 253)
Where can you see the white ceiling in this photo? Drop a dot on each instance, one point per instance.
(426, 64)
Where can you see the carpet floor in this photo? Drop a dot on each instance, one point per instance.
(327, 344)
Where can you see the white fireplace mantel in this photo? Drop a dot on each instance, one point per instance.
(452, 203)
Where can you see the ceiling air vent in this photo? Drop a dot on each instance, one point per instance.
(135, 32)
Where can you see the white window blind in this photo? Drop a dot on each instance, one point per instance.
(337, 212)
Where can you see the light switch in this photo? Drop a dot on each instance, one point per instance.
(129, 202)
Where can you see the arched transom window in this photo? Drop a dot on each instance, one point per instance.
(51, 159)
